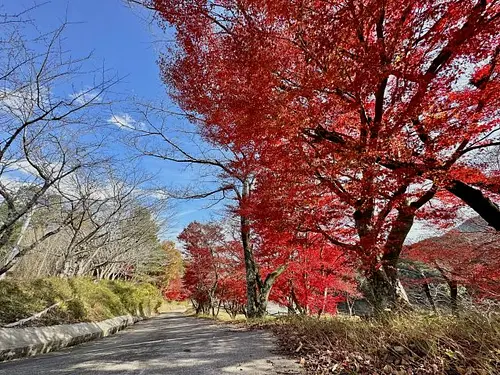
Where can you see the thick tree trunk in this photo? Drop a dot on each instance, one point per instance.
(257, 291)
(386, 291)
(265, 289)
(250, 269)
(262, 305)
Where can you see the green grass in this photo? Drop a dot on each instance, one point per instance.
(82, 299)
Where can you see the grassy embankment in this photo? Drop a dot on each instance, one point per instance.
(80, 300)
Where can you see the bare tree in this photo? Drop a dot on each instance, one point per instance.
(108, 227)
(44, 125)
(111, 224)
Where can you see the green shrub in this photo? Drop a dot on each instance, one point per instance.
(81, 299)
(17, 300)
(140, 299)
(52, 290)
(98, 300)
(76, 309)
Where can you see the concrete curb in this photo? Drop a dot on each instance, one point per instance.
(27, 342)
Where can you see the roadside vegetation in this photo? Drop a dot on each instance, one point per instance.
(75, 300)
(417, 343)
(79, 234)
(404, 344)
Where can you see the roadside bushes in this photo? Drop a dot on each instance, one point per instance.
(407, 344)
(80, 300)
(141, 299)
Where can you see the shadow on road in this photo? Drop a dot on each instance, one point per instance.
(169, 344)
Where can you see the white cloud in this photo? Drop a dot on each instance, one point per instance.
(20, 166)
(157, 194)
(124, 121)
(10, 184)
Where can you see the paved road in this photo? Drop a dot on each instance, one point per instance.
(170, 344)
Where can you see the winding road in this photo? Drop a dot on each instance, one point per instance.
(172, 344)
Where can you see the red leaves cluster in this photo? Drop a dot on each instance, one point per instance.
(175, 290)
(351, 115)
(470, 257)
(315, 281)
(214, 275)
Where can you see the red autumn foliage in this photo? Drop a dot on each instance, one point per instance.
(175, 291)
(315, 274)
(315, 281)
(468, 255)
(357, 112)
(214, 275)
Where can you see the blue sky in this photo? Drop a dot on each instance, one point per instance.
(125, 40)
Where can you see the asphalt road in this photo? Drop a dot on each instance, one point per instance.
(170, 344)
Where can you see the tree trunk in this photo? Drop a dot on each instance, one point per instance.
(427, 291)
(295, 301)
(250, 269)
(350, 305)
(323, 306)
(386, 291)
(453, 295)
(257, 291)
(265, 289)
(453, 285)
(476, 200)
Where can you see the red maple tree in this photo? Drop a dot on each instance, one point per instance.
(362, 110)
(202, 244)
(315, 281)
(214, 275)
(175, 290)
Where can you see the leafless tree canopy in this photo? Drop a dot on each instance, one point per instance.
(66, 206)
